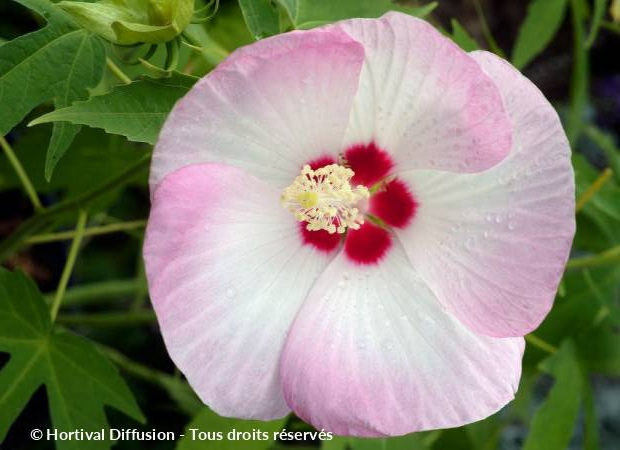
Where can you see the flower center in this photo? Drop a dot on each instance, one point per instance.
(325, 199)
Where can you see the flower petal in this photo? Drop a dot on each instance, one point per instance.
(227, 273)
(425, 100)
(371, 353)
(270, 108)
(493, 246)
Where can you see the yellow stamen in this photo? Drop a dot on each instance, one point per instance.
(325, 199)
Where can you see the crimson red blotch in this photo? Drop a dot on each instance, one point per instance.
(368, 245)
(369, 163)
(394, 204)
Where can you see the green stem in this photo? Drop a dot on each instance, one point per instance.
(141, 294)
(110, 319)
(603, 310)
(45, 218)
(486, 31)
(210, 50)
(593, 189)
(611, 256)
(178, 389)
(21, 173)
(118, 73)
(610, 26)
(94, 292)
(606, 142)
(597, 15)
(66, 272)
(144, 372)
(91, 231)
(540, 343)
(579, 77)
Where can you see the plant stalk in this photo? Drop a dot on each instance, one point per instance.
(68, 269)
(21, 174)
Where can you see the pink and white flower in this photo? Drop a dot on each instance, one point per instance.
(436, 199)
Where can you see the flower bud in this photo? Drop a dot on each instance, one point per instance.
(614, 10)
(129, 22)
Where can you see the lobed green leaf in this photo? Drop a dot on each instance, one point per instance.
(136, 110)
(79, 380)
(58, 62)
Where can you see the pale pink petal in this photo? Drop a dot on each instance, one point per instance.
(493, 246)
(270, 108)
(424, 100)
(371, 353)
(227, 272)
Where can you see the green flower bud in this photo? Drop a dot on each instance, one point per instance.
(159, 11)
(128, 22)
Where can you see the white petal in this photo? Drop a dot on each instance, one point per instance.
(227, 273)
(424, 100)
(269, 108)
(493, 246)
(371, 353)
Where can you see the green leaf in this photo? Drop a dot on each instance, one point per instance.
(261, 17)
(413, 441)
(337, 443)
(599, 349)
(542, 22)
(228, 27)
(57, 62)
(78, 379)
(590, 438)
(136, 110)
(603, 209)
(520, 407)
(93, 155)
(454, 439)
(218, 429)
(485, 434)
(462, 37)
(303, 12)
(554, 422)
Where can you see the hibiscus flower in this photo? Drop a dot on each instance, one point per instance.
(358, 223)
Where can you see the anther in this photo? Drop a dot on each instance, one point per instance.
(325, 199)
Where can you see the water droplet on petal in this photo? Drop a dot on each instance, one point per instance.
(231, 292)
(469, 243)
(430, 320)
